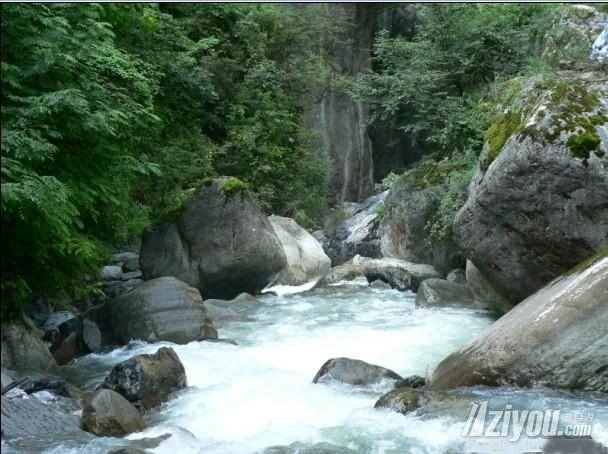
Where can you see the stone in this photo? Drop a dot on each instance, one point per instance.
(22, 349)
(458, 276)
(308, 448)
(122, 257)
(91, 335)
(148, 380)
(380, 285)
(111, 273)
(131, 275)
(440, 292)
(237, 309)
(353, 372)
(345, 272)
(401, 400)
(107, 413)
(62, 330)
(400, 274)
(413, 381)
(483, 292)
(403, 229)
(219, 242)
(131, 265)
(599, 49)
(24, 417)
(306, 260)
(537, 204)
(162, 309)
(556, 338)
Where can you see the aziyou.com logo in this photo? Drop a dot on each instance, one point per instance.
(535, 431)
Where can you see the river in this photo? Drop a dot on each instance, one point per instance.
(245, 398)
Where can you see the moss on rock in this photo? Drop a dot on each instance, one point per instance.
(498, 133)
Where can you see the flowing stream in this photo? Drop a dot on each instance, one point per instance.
(248, 397)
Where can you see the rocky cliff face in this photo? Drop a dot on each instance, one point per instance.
(342, 120)
(539, 201)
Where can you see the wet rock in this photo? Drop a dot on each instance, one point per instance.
(220, 242)
(440, 292)
(401, 400)
(458, 276)
(353, 372)
(413, 381)
(55, 385)
(345, 272)
(306, 260)
(107, 413)
(147, 380)
(28, 416)
(91, 335)
(306, 448)
(160, 309)
(237, 309)
(111, 273)
(399, 274)
(556, 338)
(380, 284)
(484, 292)
(22, 349)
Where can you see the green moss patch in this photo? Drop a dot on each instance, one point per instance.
(234, 185)
(581, 145)
(498, 133)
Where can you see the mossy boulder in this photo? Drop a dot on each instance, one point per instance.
(537, 204)
(219, 242)
(401, 400)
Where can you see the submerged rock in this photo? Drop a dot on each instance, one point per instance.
(557, 337)
(107, 413)
(163, 309)
(147, 380)
(401, 400)
(413, 381)
(306, 260)
(353, 372)
(440, 292)
(220, 242)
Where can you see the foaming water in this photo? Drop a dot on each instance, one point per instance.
(245, 398)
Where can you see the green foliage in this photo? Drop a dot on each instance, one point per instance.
(583, 144)
(233, 185)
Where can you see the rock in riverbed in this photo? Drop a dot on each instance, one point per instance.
(147, 380)
(440, 292)
(557, 337)
(161, 309)
(107, 413)
(353, 372)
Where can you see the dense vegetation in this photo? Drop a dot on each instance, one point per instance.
(113, 113)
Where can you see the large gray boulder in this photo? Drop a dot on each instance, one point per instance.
(440, 292)
(107, 413)
(400, 274)
(358, 233)
(163, 309)
(556, 337)
(484, 292)
(537, 204)
(306, 260)
(24, 417)
(23, 349)
(147, 380)
(409, 208)
(219, 241)
(353, 372)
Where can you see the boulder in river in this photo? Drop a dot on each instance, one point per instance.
(399, 274)
(556, 337)
(401, 400)
(237, 309)
(353, 372)
(147, 380)
(23, 349)
(107, 413)
(220, 241)
(344, 272)
(441, 292)
(306, 260)
(484, 292)
(162, 309)
(23, 417)
(537, 203)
